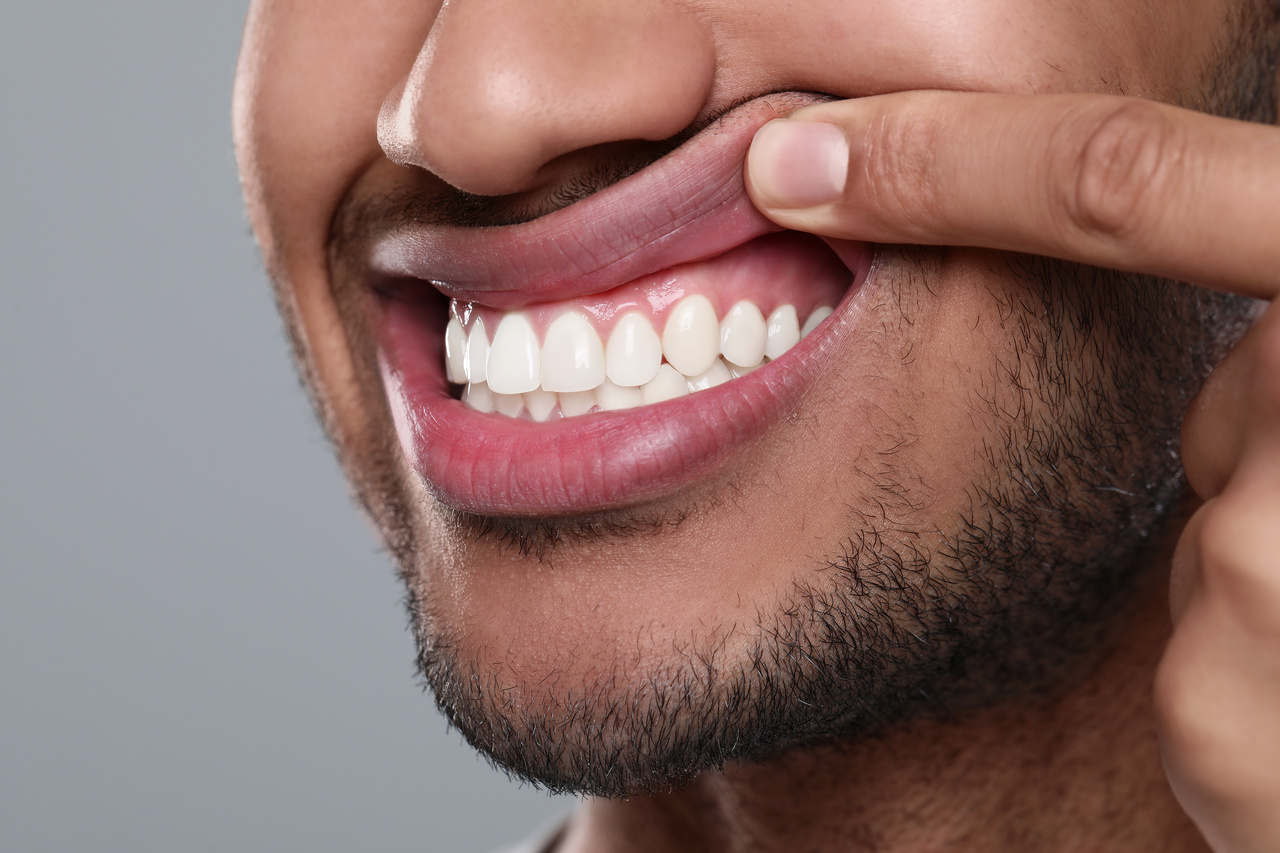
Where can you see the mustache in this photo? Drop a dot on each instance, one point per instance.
(424, 200)
(429, 202)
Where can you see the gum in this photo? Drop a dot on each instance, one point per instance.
(771, 271)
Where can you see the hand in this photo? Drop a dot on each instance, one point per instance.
(1141, 187)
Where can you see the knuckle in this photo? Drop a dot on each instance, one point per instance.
(1180, 697)
(1119, 178)
(1238, 549)
(899, 172)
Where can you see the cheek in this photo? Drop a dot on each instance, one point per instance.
(309, 82)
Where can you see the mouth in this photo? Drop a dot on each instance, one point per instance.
(616, 351)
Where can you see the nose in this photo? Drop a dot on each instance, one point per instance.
(502, 89)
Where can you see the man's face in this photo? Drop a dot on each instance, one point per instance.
(937, 497)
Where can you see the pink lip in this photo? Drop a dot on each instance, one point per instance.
(691, 205)
(688, 206)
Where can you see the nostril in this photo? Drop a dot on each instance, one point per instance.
(502, 89)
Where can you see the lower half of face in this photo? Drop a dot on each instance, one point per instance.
(941, 494)
(953, 508)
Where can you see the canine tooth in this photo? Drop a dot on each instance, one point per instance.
(576, 403)
(476, 357)
(691, 338)
(634, 352)
(455, 352)
(784, 331)
(667, 385)
(614, 397)
(818, 315)
(477, 396)
(515, 365)
(716, 374)
(572, 355)
(540, 403)
(510, 405)
(742, 334)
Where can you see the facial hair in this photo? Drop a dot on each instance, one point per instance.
(900, 620)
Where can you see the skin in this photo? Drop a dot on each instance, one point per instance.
(1218, 683)
(513, 99)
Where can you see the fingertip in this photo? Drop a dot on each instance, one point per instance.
(793, 165)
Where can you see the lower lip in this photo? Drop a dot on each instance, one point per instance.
(489, 464)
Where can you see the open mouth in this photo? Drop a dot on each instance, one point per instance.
(613, 352)
(684, 330)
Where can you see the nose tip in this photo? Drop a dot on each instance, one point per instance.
(502, 88)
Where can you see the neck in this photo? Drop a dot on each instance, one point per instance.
(1076, 771)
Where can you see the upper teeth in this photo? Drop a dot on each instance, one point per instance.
(572, 371)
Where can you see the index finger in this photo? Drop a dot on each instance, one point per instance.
(1105, 180)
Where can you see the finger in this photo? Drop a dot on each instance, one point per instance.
(1214, 427)
(1218, 685)
(1105, 180)
(1184, 568)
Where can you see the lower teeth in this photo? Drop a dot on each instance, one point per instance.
(572, 373)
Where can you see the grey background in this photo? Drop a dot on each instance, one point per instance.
(201, 647)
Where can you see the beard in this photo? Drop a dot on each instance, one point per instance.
(903, 618)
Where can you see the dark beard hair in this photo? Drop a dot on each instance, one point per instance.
(907, 623)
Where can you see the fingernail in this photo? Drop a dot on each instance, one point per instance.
(796, 164)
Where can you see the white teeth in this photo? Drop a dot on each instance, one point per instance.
(717, 374)
(510, 405)
(784, 331)
(540, 404)
(634, 352)
(614, 397)
(515, 364)
(476, 357)
(736, 370)
(477, 396)
(667, 385)
(742, 334)
(455, 352)
(691, 338)
(818, 315)
(573, 372)
(572, 355)
(577, 403)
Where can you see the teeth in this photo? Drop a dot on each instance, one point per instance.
(510, 405)
(742, 334)
(818, 315)
(577, 403)
(572, 355)
(717, 374)
(572, 372)
(634, 352)
(455, 352)
(477, 396)
(540, 403)
(667, 385)
(691, 338)
(515, 363)
(476, 357)
(614, 397)
(784, 331)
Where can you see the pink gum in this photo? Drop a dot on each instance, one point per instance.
(771, 271)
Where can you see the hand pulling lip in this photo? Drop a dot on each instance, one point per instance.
(688, 206)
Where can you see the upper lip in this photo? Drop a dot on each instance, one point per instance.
(687, 206)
